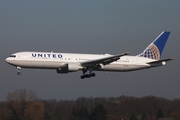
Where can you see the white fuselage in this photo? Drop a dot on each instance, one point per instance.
(72, 62)
(51, 60)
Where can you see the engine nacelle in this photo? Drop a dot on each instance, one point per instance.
(99, 66)
(70, 67)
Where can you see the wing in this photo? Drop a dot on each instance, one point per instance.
(104, 61)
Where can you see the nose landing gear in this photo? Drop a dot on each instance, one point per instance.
(18, 70)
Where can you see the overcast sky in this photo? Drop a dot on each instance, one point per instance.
(103, 26)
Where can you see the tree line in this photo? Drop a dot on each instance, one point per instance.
(23, 104)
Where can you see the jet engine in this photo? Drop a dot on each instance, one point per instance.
(70, 67)
(99, 66)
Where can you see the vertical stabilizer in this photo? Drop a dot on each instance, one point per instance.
(155, 49)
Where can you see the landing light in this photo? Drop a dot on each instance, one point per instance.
(163, 63)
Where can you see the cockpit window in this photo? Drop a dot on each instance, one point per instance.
(13, 56)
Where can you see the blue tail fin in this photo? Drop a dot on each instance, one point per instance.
(155, 49)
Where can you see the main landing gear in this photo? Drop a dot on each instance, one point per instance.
(18, 70)
(87, 75)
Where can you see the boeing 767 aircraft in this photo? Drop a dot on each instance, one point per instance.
(72, 62)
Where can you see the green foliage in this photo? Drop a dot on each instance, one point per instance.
(133, 117)
(144, 117)
(80, 114)
(159, 114)
(98, 113)
(23, 104)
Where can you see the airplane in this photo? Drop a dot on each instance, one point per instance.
(72, 62)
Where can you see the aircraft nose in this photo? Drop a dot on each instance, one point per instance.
(8, 60)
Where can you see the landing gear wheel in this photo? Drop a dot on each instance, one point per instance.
(82, 77)
(18, 70)
(93, 75)
(18, 73)
(88, 75)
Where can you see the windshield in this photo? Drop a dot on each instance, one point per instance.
(12, 55)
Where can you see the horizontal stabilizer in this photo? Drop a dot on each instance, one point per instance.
(164, 60)
(159, 62)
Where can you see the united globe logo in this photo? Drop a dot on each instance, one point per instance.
(151, 52)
